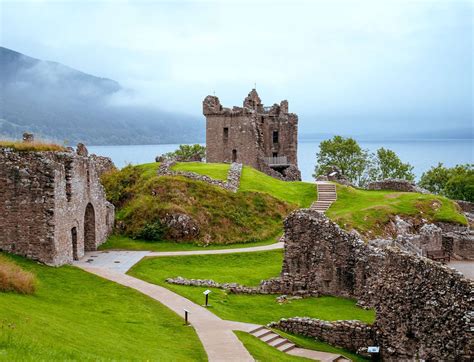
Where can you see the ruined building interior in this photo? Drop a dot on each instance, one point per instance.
(262, 137)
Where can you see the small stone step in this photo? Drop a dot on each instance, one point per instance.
(269, 337)
(262, 333)
(288, 346)
(278, 342)
(257, 329)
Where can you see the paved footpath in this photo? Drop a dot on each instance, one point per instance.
(216, 334)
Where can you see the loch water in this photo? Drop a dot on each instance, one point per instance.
(422, 154)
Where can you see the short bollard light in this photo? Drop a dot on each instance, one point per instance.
(186, 312)
(206, 293)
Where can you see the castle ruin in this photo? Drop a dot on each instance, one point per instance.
(52, 204)
(262, 137)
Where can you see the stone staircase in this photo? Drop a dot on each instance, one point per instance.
(326, 196)
(271, 338)
(284, 345)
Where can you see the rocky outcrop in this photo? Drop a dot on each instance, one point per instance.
(180, 226)
(233, 176)
(396, 185)
(423, 308)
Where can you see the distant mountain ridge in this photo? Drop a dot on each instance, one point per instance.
(57, 102)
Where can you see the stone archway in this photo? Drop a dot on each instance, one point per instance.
(89, 228)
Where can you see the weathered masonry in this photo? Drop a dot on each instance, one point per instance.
(52, 205)
(262, 137)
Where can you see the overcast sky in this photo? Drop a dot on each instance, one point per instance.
(351, 67)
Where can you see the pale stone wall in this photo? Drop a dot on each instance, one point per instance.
(43, 196)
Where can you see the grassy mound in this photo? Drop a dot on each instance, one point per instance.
(15, 279)
(143, 200)
(36, 146)
(78, 316)
(369, 212)
(299, 193)
(248, 269)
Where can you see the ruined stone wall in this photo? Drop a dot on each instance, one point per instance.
(396, 185)
(423, 308)
(241, 137)
(354, 336)
(27, 205)
(44, 195)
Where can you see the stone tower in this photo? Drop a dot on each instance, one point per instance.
(262, 137)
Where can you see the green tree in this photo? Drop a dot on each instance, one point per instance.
(456, 182)
(188, 153)
(461, 187)
(344, 153)
(389, 165)
(435, 179)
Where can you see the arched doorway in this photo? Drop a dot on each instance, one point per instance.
(74, 243)
(89, 228)
(234, 155)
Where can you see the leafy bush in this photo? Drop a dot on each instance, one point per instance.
(14, 279)
(456, 182)
(152, 232)
(194, 152)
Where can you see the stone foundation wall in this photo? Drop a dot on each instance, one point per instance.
(396, 185)
(233, 176)
(43, 202)
(423, 308)
(354, 335)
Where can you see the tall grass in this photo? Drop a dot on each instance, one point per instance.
(37, 146)
(14, 279)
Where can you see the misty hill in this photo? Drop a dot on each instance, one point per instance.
(57, 102)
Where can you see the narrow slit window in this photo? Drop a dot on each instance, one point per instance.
(226, 133)
(275, 136)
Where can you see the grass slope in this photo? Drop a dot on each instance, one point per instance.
(368, 212)
(78, 316)
(120, 242)
(311, 343)
(142, 198)
(301, 194)
(261, 351)
(248, 269)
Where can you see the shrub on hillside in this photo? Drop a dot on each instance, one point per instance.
(456, 182)
(14, 279)
(185, 153)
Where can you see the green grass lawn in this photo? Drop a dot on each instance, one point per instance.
(217, 171)
(371, 210)
(78, 316)
(261, 351)
(311, 343)
(120, 242)
(296, 192)
(301, 194)
(248, 269)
